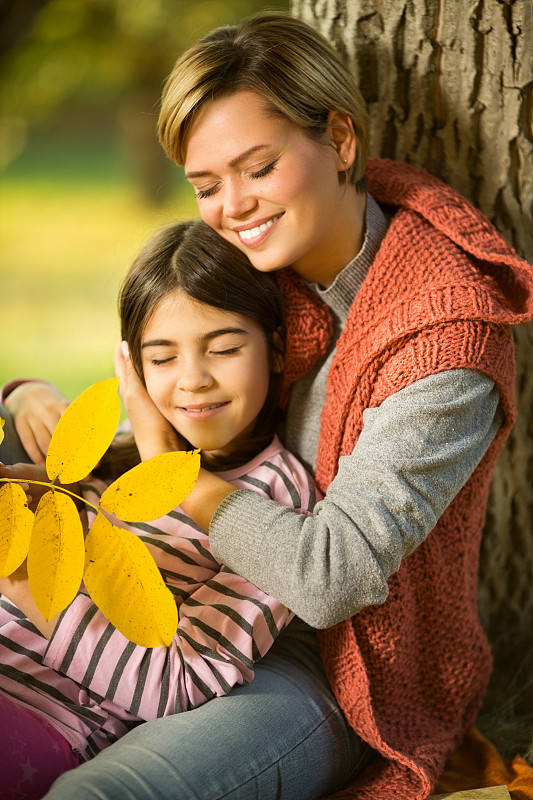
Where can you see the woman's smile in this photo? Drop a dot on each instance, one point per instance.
(253, 236)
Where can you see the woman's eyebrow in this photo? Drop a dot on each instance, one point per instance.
(233, 163)
(205, 337)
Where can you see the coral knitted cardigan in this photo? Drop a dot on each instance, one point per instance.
(410, 674)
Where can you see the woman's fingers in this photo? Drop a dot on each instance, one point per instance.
(129, 381)
(118, 361)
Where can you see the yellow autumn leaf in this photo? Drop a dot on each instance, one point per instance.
(56, 555)
(123, 580)
(84, 432)
(16, 522)
(2, 423)
(152, 488)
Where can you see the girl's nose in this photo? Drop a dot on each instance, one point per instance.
(194, 377)
(238, 199)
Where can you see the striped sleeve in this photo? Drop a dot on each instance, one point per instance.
(225, 623)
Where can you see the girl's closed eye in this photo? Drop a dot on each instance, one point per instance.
(158, 361)
(228, 351)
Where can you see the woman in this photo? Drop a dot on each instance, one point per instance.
(401, 364)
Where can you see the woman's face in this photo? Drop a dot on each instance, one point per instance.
(207, 371)
(269, 189)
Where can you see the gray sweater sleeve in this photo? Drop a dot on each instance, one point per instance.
(414, 454)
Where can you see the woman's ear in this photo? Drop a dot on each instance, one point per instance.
(342, 138)
(277, 357)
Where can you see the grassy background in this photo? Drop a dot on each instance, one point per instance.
(70, 224)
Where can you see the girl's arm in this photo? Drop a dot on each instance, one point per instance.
(224, 627)
(225, 623)
(16, 588)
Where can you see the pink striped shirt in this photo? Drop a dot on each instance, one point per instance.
(93, 684)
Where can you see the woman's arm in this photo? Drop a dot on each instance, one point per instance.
(415, 453)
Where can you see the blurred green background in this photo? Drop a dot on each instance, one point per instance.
(83, 180)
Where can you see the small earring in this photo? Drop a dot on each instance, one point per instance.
(344, 161)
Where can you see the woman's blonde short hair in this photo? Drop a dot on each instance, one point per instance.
(286, 61)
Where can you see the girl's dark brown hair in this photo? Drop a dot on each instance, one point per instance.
(191, 257)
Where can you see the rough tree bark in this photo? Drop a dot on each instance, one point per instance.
(449, 87)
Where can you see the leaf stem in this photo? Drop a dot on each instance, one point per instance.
(52, 487)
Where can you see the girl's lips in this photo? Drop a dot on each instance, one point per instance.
(202, 411)
(251, 237)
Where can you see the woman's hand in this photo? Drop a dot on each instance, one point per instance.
(35, 408)
(153, 433)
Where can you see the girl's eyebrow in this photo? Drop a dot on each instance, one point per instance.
(204, 338)
(233, 163)
(158, 343)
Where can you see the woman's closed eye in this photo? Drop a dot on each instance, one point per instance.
(202, 194)
(266, 170)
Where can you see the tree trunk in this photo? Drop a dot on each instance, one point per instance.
(449, 87)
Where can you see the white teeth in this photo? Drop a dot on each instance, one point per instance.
(200, 410)
(252, 233)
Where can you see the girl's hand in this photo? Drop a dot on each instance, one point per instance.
(27, 473)
(36, 409)
(153, 433)
(17, 589)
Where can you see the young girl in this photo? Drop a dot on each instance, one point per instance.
(205, 363)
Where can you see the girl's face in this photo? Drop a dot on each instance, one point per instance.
(269, 189)
(206, 370)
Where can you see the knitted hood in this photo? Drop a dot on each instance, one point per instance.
(504, 279)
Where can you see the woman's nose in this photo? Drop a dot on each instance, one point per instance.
(238, 199)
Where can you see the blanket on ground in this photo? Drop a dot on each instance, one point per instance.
(477, 764)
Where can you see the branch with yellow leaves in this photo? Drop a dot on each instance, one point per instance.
(117, 569)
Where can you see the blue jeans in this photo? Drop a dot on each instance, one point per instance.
(281, 737)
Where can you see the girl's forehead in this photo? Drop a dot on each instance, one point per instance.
(182, 315)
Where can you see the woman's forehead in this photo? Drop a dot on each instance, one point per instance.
(233, 126)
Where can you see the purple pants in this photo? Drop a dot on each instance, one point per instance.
(32, 753)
